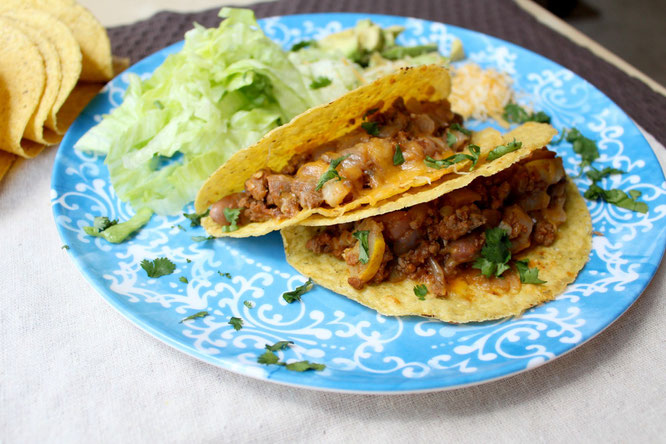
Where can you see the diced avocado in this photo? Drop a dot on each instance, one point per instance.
(390, 34)
(457, 51)
(370, 37)
(344, 41)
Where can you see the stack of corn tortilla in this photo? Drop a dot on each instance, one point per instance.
(55, 57)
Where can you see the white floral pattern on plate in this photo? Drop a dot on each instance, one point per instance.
(364, 351)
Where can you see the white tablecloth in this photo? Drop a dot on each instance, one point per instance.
(74, 370)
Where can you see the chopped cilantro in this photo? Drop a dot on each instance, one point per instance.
(420, 291)
(195, 219)
(320, 82)
(226, 275)
(231, 214)
(331, 173)
(587, 148)
(180, 227)
(595, 175)
(302, 366)
(248, 304)
(280, 345)
(398, 158)
(295, 294)
(268, 358)
(362, 236)
(501, 150)
(371, 128)
(495, 254)
(201, 314)
(65, 247)
(183, 279)
(202, 238)
(451, 160)
(302, 44)
(617, 197)
(514, 113)
(451, 139)
(158, 267)
(236, 323)
(528, 275)
(370, 112)
(457, 127)
(188, 260)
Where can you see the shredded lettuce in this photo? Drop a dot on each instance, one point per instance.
(222, 92)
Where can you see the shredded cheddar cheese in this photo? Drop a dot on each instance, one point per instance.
(479, 93)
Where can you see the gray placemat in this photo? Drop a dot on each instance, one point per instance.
(499, 18)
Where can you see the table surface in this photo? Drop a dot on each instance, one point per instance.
(75, 370)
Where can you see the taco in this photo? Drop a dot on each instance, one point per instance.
(372, 145)
(479, 249)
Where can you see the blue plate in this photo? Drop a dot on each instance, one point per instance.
(364, 351)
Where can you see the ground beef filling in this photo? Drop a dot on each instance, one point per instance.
(420, 129)
(436, 241)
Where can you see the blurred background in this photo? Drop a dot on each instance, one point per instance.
(633, 30)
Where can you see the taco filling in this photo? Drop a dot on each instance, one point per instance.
(448, 239)
(412, 142)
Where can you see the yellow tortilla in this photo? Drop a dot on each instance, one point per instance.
(68, 51)
(35, 128)
(22, 80)
(6, 161)
(89, 33)
(558, 264)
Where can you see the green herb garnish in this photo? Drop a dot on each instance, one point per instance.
(269, 358)
(201, 314)
(595, 175)
(362, 236)
(516, 114)
(450, 139)
(617, 197)
(248, 304)
(183, 279)
(231, 214)
(65, 247)
(158, 267)
(495, 254)
(188, 260)
(226, 275)
(202, 238)
(371, 128)
(528, 275)
(331, 173)
(587, 148)
(302, 44)
(398, 158)
(320, 82)
(456, 158)
(280, 345)
(501, 150)
(457, 127)
(236, 323)
(370, 112)
(420, 291)
(195, 219)
(295, 294)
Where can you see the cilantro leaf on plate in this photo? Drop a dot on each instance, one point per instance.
(195, 219)
(295, 294)
(161, 266)
(200, 314)
(528, 275)
(501, 150)
(236, 323)
(280, 345)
